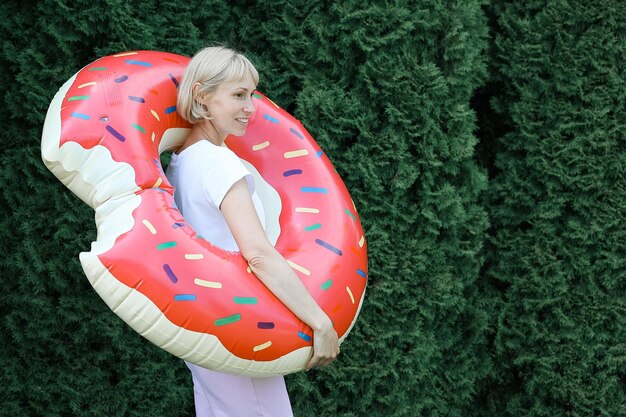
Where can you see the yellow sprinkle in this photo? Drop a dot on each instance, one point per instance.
(299, 268)
(307, 210)
(207, 284)
(261, 146)
(362, 241)
(87, 84)
(125, 54)
(194, 256)
(350, 294)
(249, 270)
(153, 135)
(295, 154)
(156, 116)
(273, 103)
(149, 226)
(262, 346)
(158, 183)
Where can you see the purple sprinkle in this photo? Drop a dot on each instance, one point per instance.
(137, 99)
(295, 132)
(174, 80)
(292, 172)
(329, 247)
(265, 325)
(121, 79)
(115, 133)
(170, 273)
(177, 225)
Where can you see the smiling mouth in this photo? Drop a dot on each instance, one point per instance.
(243, 121)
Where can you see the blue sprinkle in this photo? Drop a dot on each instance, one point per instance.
(174, 80)
(177, 225)
(80, 115)
(185, 297)
(137, 99)
(319, 153)
(135, 62)
(362, 273)
(304, 336)
(295, 132)
(328, 246)
(270, 118)
(320, 190)
(170, 110)
(292, 172)
(121, 79)
(170, 273)
(115, 133)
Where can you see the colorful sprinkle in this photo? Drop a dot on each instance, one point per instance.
(149, 226)
(194, 256)
(185, 297)
(295, 132)
(307, 210)
(155, 114)
(292, 172)
(137, 99)
(125, 54)
(350, 294)
(207, 284)
(80, 115)
(319, 153)
(304, 336)
(115, 133)
(361, 241)
(362, 273)
(245, 300)
(139, 128)
(228, 320)
(87, 84)
(121, 79)
(350, 214)
(299, 268)
(176, 225)
(327, 284)
(262, 346)
(74, 98)
(296, 154)
(328, 246)
(170, 273)
(257, 95)
(166, 245)
(260, 146)
(153, 136)
(265, 325)
(270, 118)
(97, 69)
(158, 182)
(140, 63)
(312, 227)
(319, 190)
(171, 109)
(174, 80)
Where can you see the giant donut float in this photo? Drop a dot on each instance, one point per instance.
(102, 137)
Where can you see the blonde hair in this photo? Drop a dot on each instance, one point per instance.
(210, 67)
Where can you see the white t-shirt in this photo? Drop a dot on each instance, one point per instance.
(202, 174)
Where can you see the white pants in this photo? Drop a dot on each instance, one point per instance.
(222, 395)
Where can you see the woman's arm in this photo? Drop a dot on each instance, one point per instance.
(272, 269)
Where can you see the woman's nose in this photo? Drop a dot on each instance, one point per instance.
(249, 106)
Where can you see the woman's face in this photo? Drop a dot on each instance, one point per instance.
(230, 107)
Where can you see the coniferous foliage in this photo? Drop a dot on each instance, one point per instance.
(557, 253)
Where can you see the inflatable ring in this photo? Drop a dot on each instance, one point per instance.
(102, 137)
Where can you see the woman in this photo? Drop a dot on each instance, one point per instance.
(215, 193)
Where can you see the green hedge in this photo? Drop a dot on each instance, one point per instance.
(482, 142)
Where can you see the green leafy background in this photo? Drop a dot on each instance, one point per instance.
(483, 144)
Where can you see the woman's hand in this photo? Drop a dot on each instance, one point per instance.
(325, 347)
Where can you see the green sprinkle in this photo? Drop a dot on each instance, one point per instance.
(139, 128)
(255, 95)
(166, 245)
(313, 227)
(98, 69)
(327, 284)
(228, 320)
(78, 98)
(350, 214)
(245, 300)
